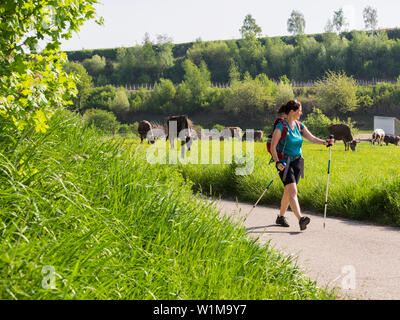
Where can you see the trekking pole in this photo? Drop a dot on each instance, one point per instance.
(327, 181)
(284, 164)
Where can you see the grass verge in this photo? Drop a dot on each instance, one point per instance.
(83, 217)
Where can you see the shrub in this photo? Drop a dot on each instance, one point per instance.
(103, 120)
(100, 98)
(267, 130)
(336, 92)
(134, 127)
(219, 127)
(317, 123)
(124, 130)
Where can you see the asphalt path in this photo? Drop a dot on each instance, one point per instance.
(360, 260)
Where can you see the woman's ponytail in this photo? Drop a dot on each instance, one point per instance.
(282, 109)
(290, 105)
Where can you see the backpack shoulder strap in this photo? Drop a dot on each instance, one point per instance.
(299, 126)
(284, 125)
(280, 120)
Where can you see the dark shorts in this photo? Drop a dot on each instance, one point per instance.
(295, 171)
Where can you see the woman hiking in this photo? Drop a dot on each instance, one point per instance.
(288, 150)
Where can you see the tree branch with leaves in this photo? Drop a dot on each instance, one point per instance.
(33, 83)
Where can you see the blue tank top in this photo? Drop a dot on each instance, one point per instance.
(294, 140)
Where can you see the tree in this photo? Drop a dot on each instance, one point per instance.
(216, 55)
(278, 55)
(145, 60)
(164, 54)
(307, 60)
(100, 98)
(83, 83)
(198, 81)
(94, 65)
(370, 16)
(234, 74)
(182, 97)
(339, 20)
(163, 95)
(336, 93)
(145, 63)
(329, 27)
(250, 97)
(296, 23)
(33, 84)
(251, 50)
(284, 93)
(120, 103)
(250, 28)
(335, 50)
(140, 100)
(163, 39)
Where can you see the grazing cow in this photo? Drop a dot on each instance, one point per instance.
(377, 136)
(143, 129)
(195, 133)
(258, 136)
(342, 132)
(181, 127)
(234, 132)
(391, 139)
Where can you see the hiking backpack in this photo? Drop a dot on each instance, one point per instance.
(283, 136)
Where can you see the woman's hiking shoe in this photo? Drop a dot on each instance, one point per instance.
(281, 220)
(303, 222)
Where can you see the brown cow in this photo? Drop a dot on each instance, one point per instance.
(236, 132)
(143, 129)
(231, 132)
(258, 136)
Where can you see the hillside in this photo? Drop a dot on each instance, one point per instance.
(361, 54)
(180, 49)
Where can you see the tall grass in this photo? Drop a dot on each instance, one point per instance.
(363, 185)
(112, 226)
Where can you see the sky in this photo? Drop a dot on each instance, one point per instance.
(127, 21)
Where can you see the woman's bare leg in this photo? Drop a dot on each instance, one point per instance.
(291, 191)
(284, 202)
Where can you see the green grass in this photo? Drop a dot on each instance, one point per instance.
(364, 185)
(113, 226)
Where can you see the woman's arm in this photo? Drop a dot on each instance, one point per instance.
(276, 136)
(308, 135)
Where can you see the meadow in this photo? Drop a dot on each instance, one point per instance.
(83, 216)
